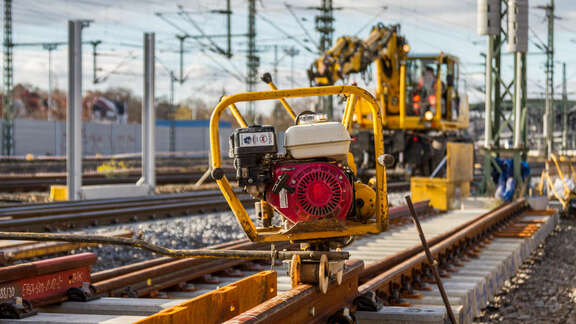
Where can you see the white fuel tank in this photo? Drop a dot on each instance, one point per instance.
(321, 140)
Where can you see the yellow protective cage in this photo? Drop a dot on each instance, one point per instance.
(276, 233)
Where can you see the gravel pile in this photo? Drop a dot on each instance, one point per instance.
(544, 289)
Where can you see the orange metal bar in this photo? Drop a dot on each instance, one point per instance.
(222, 304)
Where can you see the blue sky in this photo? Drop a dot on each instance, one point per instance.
(429, 26)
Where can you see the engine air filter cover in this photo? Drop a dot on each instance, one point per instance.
(312, 191)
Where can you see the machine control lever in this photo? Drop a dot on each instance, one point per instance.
(281, 184)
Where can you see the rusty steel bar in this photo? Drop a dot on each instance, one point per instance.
(433, 263)
(144, 288)
(122, 281)
(116, 272)
(382, 265)
(37, 268)
(400, 213)
(196, 253)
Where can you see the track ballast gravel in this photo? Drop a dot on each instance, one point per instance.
(544, 288)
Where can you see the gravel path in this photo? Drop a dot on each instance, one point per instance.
(544, 289)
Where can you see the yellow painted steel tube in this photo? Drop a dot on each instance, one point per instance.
(349, 111)
(560, 173)
(236, 113)
(284, 102)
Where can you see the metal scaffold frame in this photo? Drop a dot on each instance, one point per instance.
(325, 27)
(7, 104)
(497, 91)
(253, 61)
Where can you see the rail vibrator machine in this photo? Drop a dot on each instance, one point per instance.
(312, 186)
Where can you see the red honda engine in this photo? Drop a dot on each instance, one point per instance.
(310, 185)
(311, 191)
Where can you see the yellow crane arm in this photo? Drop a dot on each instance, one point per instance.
(353, 55)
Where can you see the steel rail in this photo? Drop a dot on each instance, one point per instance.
(73, 220)
(147, 264)
(378, 267)
(296, 305)
(466, 234)
(305, 303)
(27, 211)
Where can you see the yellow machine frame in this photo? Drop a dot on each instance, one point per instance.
(273, 234)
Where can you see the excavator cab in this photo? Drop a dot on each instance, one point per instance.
(432, 87)
(428, 95)
(423, 96)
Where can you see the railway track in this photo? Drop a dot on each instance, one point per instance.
(151, 278)
(387, 269)
(42, 182)
(68, 215)
(72, 215)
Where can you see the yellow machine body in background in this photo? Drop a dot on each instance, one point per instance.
(399, 75)
(446, 193)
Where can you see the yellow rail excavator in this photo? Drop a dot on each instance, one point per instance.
(422, 108)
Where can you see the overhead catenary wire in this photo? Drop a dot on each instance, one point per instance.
(186, 17)
(275, 26)
(289, 7)
(371, 21)
(128, 58)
